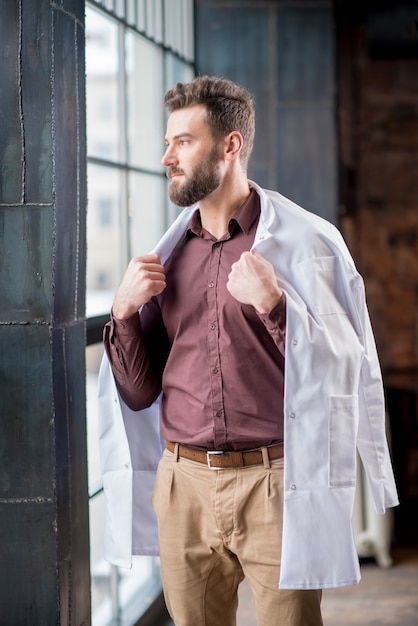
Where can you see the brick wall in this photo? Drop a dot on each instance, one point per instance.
(378, 123)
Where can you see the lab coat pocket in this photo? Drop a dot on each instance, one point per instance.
(324, 287)
(343, 424)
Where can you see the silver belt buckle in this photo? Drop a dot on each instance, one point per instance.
(210, 454)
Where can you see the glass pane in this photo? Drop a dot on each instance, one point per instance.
(145, 102)
(94, 355)
(131, 12)
(177, 71)
(120, 8)
(102, 69)
(168, 23)
(150, 13)
(147, 211)
(101, 571)
(173, 13)
(158, 36)
(106, 258)
(140, 10)
(189, 33)
(138, 587)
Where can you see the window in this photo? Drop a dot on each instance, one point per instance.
(104, 206)
(135, 51)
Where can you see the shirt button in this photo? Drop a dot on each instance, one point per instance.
(293, 487)
(213, 326)
(294, 342)
(292, 415)
(218, 414)
(211, 285)
(215, 370)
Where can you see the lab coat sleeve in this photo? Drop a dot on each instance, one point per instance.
(372, 441)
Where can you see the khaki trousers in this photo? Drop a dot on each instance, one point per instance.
(217, 527)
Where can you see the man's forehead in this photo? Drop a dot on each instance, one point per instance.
(187, 118)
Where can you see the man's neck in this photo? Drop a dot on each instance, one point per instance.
(217, 209)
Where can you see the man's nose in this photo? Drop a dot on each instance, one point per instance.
(169, 157)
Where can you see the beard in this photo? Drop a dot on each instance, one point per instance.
(204, 178)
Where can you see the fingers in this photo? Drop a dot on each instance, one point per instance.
(249, 260)
(148, 275)
(150, 261)
(143, 279)
(150, 279)
(148, 258)
(252, 280)
(256, 254)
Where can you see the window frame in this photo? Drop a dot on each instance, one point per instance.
(146, 18)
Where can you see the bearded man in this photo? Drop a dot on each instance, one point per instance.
(248, 325)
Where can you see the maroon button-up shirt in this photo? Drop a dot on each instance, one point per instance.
(219, 363)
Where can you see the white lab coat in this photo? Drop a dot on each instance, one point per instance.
(333, 403)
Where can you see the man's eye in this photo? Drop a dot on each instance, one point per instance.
(184, 142)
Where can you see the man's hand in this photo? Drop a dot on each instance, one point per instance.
(143, 279)
(252, 281)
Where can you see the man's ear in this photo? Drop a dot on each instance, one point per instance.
(232, 145)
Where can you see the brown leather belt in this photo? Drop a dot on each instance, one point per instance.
(215, 459)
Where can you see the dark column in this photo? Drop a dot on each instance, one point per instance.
(44, 565)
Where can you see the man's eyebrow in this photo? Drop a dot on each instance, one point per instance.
(179, 135)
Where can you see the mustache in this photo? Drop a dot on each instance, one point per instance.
(171, 171)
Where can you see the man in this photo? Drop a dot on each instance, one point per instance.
(254, 327)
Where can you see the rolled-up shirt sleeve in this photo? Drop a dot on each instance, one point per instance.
(137, 349)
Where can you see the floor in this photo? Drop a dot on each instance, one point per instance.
(384, 597)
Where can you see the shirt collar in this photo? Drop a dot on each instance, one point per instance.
(248, 212)
(243, 218)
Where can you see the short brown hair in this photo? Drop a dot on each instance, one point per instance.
(228, 106)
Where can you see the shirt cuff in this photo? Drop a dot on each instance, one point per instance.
(277, 316)
(129, 327)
